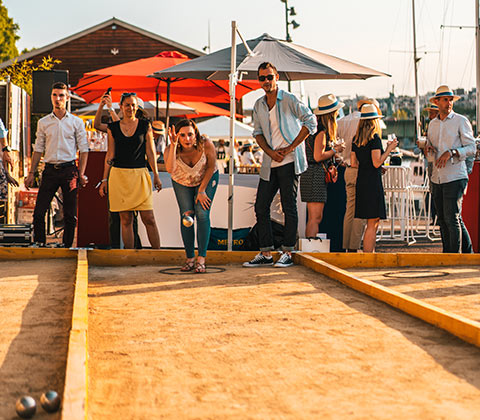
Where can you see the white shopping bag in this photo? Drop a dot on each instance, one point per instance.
(314, 245)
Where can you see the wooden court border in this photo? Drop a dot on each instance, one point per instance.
(75, 394)
(463, 328)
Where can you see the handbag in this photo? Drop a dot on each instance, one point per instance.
(331, 171)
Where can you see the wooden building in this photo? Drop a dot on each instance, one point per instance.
(106, 44)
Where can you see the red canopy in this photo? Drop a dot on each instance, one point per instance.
(132, 77)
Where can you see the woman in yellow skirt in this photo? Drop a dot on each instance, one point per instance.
(130, 145)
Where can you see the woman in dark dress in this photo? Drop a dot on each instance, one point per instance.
(319, 149)
(368, 156)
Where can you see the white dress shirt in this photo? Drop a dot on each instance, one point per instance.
(346, 130)
(60, 139)
(454, 132)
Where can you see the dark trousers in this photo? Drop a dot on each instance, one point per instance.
(65, 178)
(448, 199)
(283, 178)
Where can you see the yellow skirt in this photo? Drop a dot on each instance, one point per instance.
(130, 189)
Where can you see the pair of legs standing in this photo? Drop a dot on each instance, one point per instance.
(148, 219)
(352, 227)
(66, 178)
(186, 197)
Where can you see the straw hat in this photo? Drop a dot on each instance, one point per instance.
(328, 103)
(431, 106)
(362, 101)
(369, 112)
(444, 90)
(158, 127)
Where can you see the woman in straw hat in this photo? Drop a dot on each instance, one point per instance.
(368, 156)
(319, 149)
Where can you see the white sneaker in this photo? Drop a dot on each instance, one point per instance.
(260, 260)
(284, 261)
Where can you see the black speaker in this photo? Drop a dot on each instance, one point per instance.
(42, 86)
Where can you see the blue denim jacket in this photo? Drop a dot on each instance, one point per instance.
(292, 115)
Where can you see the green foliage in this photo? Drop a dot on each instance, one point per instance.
(8, 35)
(21, 73)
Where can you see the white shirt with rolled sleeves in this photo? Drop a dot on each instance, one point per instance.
(59, 140)
(292, 114)
(454, 132)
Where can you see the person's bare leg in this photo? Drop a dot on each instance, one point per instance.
(315, 214)
(126, 220)
(148, 219)
(370, 237)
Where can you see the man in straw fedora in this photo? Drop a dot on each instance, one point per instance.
(450, 139)
(282, 123)
(347, 128)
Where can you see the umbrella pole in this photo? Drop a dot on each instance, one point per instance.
(156, 101)
(233, 83)
(167, 110)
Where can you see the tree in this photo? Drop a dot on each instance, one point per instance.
(8, 35)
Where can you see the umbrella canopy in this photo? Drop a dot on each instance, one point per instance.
(207, 110)
(132, 77)
(219, 128)
(293, 62)
(149, 107)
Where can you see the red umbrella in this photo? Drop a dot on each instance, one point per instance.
(132, 77)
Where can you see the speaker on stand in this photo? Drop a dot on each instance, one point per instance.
(42, 86)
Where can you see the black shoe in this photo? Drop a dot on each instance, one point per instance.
(260, 260)
(284, 261)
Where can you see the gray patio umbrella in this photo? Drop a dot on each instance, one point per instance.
(292, 61)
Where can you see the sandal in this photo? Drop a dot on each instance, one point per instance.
(188, 266)
(200, 268)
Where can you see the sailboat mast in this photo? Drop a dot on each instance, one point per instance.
(415, 63)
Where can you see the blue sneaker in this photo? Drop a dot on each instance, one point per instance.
(260, 260)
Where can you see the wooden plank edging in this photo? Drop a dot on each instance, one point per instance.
(457, 325)
(74, 405)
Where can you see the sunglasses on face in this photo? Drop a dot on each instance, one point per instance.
(269, 77)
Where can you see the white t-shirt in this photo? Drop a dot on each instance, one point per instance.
(277, 139)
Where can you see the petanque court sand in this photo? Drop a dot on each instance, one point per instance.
(35, 317)
(455, 289)
(266, 343)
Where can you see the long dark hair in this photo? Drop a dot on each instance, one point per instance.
(190, 123)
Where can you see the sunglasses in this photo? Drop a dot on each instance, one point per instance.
(269, 77)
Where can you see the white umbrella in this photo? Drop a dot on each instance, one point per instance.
(219, 128)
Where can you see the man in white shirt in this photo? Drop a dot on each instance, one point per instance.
(59, 136)
(450, 138)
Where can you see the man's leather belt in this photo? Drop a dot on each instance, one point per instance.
(60, 165)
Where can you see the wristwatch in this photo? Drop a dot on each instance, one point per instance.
(6, 149)
(454, 152)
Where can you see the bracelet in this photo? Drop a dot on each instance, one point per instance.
(202, 192)
(104, 179)
(111, 109)
(334, 151)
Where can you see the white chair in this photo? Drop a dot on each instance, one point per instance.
(398, 198)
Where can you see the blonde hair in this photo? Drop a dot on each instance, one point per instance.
(366, 131)
(329, 121)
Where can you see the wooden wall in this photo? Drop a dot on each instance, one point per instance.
(93, 51)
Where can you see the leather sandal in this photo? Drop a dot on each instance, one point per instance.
(188, 266)
(200, 268)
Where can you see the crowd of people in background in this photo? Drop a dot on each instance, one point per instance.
(294, 147)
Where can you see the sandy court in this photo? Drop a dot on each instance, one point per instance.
(35, 317)
(455, 288)
(266, 344)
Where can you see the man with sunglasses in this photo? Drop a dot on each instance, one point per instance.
(282, 122)
(59, 136)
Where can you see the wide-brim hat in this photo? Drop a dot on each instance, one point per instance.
(431, 106)
(363, 101)
(369, 112)
(444, 90)
(158, 127)
(327, 103)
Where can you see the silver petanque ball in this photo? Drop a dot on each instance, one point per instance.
(50, 401)
(26, 407)
(187, 220)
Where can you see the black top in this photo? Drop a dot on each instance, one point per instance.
(310, 144)
(130, 152)
(364, 155)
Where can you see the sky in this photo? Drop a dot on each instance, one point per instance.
(374, 33)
